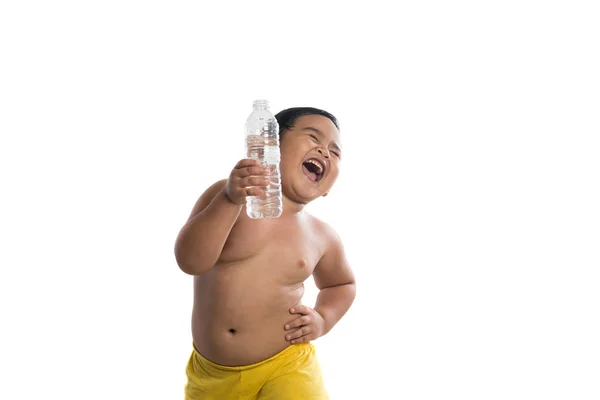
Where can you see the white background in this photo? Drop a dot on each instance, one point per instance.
(468, 199)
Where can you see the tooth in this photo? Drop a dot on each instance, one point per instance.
(318, 164)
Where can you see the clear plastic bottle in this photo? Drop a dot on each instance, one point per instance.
(262, 144)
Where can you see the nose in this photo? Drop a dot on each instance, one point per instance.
(324, 155)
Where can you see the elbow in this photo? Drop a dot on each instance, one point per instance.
(192, 268)
(188, 264)
(352, 290)
(187, 268)
(182, 262)
(349, 291)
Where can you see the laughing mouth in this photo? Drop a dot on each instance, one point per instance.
(314, 169)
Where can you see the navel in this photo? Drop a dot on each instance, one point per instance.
(232, 331)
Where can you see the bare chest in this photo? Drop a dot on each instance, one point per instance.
(285, 248)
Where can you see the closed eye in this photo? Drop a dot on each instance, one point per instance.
(314, 137)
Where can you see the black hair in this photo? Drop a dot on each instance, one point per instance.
(288, 117)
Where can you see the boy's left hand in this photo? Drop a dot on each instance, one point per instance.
(309, 326)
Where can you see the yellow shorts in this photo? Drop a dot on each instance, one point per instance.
(293, 373)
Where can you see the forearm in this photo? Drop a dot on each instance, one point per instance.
(203, 237)
(333, 302)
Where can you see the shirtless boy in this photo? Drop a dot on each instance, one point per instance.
(251, 333)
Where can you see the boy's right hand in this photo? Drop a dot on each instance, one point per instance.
(245, 180)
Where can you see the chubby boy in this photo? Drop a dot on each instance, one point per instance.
(251, 332)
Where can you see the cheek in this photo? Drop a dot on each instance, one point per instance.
(285, 166)
(335, 172)
(334, 175)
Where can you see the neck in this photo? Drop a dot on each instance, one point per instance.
(291, 207)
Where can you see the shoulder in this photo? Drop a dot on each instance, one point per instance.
(333, 267)
(328, 237)
(324, 231)
(217, 186)
(213, 190)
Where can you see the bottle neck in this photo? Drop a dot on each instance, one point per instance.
(261, 105)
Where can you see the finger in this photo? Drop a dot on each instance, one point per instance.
(247, 162)
(254, 181)
(298, 333)
(254, 191)
(297, 322)
(249, 171)
(300, 310)
(303, 339)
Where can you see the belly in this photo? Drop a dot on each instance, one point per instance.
(239, 313)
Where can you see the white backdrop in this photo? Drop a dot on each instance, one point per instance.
(468, 197)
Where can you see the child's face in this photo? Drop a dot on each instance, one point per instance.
(310, 158)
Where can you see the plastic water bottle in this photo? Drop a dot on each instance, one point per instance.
(262, 144)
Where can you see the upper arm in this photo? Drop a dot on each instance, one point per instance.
(205, 199)
(333, 268)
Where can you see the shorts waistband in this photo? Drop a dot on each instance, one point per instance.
(299, 349)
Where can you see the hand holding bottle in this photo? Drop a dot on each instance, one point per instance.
(262, 143)
(246, 179)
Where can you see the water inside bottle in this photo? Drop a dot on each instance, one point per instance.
(266, 150)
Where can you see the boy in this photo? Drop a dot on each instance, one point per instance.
(251, 334)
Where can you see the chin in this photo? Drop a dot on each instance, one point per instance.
(302, 192)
